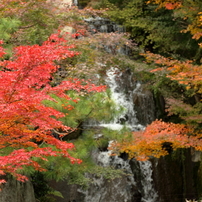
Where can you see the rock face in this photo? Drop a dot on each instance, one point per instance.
(70, 193)
(170, 178)
(103, 25)
(120, 189)
(144, 105)
(112, 190)
(100, 190)
(175, 176)
(143, 100)
(15, 191)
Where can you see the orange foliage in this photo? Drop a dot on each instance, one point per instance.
(182, 71)
(188, 75)
(153, 140)
(187, 10)
(171, 6)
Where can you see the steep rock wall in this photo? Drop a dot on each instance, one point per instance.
(175, 176)
(15, 191)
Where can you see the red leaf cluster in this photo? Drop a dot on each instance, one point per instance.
(24, 120)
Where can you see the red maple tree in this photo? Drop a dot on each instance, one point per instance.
(24, 120)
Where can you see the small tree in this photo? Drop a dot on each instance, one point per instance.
(25, 123)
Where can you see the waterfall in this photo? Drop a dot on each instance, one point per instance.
(139, 110)
(115, 190)
(75, 2)
(123, 190)
(129, 116)
(149, 194)
(123, 100)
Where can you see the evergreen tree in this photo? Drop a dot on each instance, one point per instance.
(154, 29)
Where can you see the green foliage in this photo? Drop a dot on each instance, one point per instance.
(85, 146)
(156, 30)
(41, 188)
(83, 3)
(166, 87)
(97, 106)
(43, 192)
(37, 26)
(32, 21)
(7, 27)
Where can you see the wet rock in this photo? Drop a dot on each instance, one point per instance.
(144, 105)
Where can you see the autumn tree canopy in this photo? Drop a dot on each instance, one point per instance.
(26, 124)
(186, 72)
(29, 22)
(155, 28)
(189, 11)
(171, 29)
(169, 34)
(158, 139)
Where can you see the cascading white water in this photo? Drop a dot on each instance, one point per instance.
(75, 2)
(105, 159)
(122, 100)
(117, 190)
(126, 101)
(149, 194)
